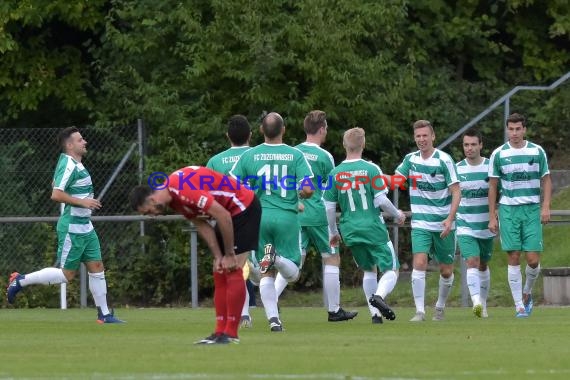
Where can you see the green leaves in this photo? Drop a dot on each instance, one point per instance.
(42, 56)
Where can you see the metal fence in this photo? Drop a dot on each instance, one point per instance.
(28, 158)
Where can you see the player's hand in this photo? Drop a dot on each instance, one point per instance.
(335, 240)
(305, 193)
(217, 266)
(446, 228)
(493, 225)
(91, 204)
(545, 215)
(300, 207)
(229, 262)
(401, 219)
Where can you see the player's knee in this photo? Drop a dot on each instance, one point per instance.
(514, 257)
(446, 271)
(69, 275)
(254, 274)
(420, 261)
(533, 261)
(473, 262)
(293, 277)
(95, 266)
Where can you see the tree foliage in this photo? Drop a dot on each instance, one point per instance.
(186, 67)
(44, 68)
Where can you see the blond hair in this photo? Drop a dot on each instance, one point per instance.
(354, 139)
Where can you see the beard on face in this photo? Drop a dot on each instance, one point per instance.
(160, 208)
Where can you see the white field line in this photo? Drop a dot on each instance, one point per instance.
(544, 373)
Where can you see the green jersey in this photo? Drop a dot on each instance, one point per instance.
(473, 211)
(360, 220)
(72, 177)
(275, 172)
(520, 171)
(429, 181)
(321, 163)
(224, 161)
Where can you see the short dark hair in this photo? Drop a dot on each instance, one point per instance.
(314, 121)
(272, 125)
(516, 118)
(238, 129)
(473, 133)
(64, 135)
(138, 196)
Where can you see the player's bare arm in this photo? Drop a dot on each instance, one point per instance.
(207, 233)
(455, 199)
(224, 222)
(493, 223)
(546, 185)
(62, 197)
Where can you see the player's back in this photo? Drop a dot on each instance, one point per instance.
(356, 183)
(274, 172)
(224, 161)
(194, 188)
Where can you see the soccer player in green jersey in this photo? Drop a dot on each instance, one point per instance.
(280, 175)
(434, 199)
(522, 168)
(239, 134)
(473, 236)
(77, 239)
(313, 218)
(359, 189)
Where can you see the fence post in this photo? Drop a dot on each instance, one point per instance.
(63, 296)
(507, 112)
(83, 285)
(140, 138)
(194, 265)
(395, 229)
(464, 288)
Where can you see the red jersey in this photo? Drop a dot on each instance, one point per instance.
(194, 189)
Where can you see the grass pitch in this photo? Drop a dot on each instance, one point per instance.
(158, 344)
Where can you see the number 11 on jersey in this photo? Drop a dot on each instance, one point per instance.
(362, 191)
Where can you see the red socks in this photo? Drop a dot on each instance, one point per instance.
(235, 297)
(229, 296)
(220, 287)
